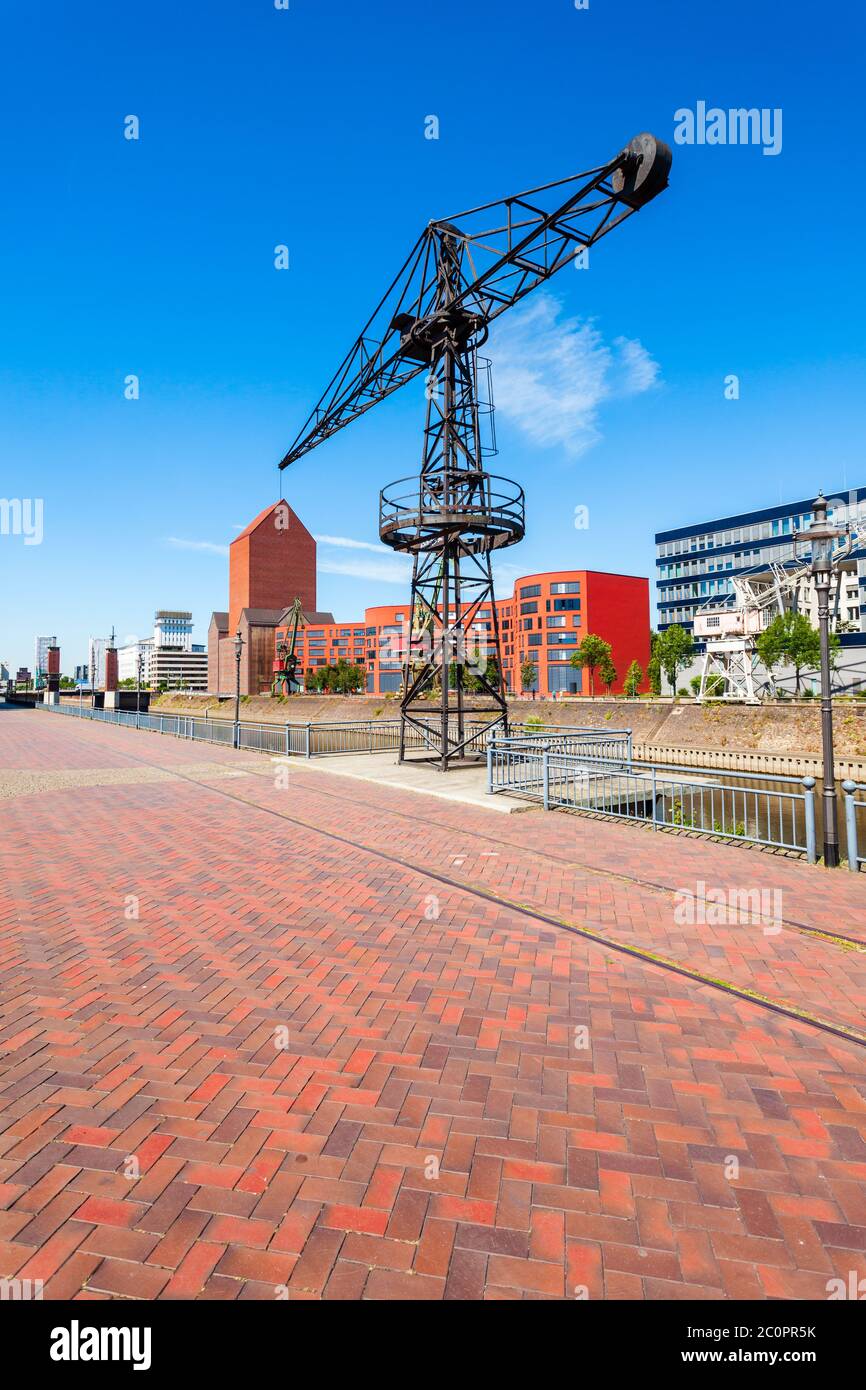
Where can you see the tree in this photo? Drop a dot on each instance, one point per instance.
(674, 649)
(791, 640)
(607, 673)
(654, 669)
(528, 674)
(633, 679)
(342, 679)
(471, 681)
(590, 655)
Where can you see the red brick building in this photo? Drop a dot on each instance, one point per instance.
(271, 562)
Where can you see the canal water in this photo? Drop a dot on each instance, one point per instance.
(776, 815)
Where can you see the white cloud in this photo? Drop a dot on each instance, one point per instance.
(639, 371)
(552, 375)
(346, 543)
(208, 547)
(385, 571)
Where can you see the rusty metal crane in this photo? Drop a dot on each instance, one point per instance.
(462, 273)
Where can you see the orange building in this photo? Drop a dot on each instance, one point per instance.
(543, 623)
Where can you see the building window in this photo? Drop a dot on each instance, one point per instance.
(529, 607)
(565, 605)
(572, 587)
(530, 591)
(564, 679)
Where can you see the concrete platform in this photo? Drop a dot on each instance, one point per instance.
(467, 785)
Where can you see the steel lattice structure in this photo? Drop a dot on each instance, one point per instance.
(463, 272)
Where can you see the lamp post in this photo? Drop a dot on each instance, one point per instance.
(239, 645)
(139, 664)
(821, 538)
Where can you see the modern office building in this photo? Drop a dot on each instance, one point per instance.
(96, 660)
(177, 669)
(696, 564)
(41, 645)
(173, 628)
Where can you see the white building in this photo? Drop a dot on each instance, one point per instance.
(178, 669)
(169, 657)
(127, 660)
(172, 628)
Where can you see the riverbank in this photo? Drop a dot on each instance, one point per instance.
(779, 738)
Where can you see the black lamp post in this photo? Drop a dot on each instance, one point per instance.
(821, 538)
(239, 646)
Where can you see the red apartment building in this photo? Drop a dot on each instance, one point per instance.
(543, 622)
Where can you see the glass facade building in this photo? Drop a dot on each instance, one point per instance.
(696, 564)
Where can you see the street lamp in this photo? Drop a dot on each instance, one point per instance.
(239, 645)
(821, 538)
(139, 669)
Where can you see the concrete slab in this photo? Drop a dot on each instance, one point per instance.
(465, 784)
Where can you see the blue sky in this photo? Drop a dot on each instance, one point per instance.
(306, 127)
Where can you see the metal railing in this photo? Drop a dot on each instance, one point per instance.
(853, 804)
(664, 796)
(332, 737)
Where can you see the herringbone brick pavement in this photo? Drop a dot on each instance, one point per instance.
(242, 1058)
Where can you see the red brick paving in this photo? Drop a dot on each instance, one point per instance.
(428, 1128)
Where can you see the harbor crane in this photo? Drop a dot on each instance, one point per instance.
(463, 272)
(286, 665)
(730, 626)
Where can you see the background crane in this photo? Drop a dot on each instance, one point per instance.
(462, 273)
(729, 627)
(286, 668)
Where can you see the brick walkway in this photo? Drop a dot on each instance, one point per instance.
(241, 1057)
